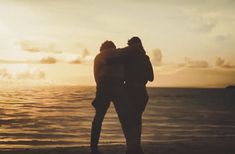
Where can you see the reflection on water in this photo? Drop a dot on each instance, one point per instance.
(61, 116)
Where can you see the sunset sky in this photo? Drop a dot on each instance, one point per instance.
(191, 43)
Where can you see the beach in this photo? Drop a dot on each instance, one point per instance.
(192, 147)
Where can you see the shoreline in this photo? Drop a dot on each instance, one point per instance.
(193, 147)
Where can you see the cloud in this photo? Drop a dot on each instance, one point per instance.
(30, 73)
(220, 62)
(3, 61)
(228, 65)
(83, 57)
(76, 61)
(221, 38)
(5, 74)
(203, 24)
(43, 58)
(156, 57)
(48, 60)
(191, 77)
(188, 62)
(31, 46)
(85, 53)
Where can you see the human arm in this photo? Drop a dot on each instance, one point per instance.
(121, 56)
(150, 71)
(96, 69)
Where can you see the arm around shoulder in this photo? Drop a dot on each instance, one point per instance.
(121, 55)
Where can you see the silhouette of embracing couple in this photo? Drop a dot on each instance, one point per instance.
(121, 76)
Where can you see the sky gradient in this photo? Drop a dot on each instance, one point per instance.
(191, 43)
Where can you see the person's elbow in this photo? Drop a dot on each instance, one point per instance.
(151, 78)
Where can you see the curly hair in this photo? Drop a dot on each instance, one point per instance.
(134, 40)
(106, 45)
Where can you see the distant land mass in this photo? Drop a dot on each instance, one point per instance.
(230, 87)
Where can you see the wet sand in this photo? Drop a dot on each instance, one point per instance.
(192, 147)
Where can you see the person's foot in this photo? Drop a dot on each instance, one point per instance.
(135, 151)
(95, 151)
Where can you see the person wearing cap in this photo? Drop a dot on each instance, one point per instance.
(138, 71)
(109, 87)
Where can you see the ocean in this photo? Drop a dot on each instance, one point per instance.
(61, 116)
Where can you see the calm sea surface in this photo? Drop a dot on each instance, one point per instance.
(61, 116)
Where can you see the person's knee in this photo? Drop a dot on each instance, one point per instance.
(97, 121)
(99, 117)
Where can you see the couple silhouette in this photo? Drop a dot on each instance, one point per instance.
(121, 76)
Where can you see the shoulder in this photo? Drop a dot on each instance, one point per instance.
(98, 58)
(129, 49)
(146, 57)
(126, 51)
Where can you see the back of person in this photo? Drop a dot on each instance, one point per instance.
(109, 80)
(108, 74)
(138, 72)
(138, 69)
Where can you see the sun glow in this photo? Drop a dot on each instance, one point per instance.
(17, 72)
(56, 41)
(17, 68)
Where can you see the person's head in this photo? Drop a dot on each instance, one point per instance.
(134, 41)
(107, 45)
